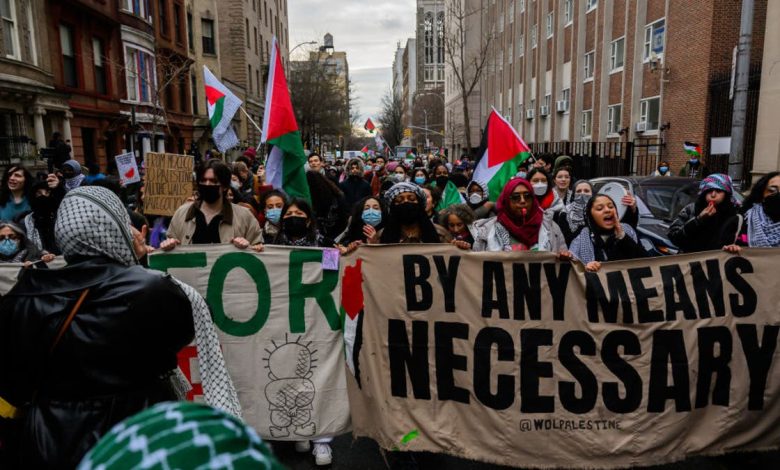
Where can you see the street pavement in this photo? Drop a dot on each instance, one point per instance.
(364, 454)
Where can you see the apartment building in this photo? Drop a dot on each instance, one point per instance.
(640, 71)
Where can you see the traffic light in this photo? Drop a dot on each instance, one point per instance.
(407, 132)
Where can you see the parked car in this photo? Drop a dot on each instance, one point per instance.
(659, 200)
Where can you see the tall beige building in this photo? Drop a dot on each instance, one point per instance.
(767, 154)
(204, 50)
(246, 30)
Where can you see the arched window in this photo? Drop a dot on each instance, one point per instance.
(428, 25)
(440, 37)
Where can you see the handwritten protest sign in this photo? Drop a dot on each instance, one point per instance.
(523, 360)
(280, 329)
(168, 182)
(127, 168)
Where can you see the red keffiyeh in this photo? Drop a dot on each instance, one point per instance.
(524, 229)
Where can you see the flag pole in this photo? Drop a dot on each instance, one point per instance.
(251, 120)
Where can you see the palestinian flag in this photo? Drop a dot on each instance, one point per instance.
(369, 126)
(364, 150)
(222, 106)
(692, 149)
(502, 151)
(352, 315)
(286, 158)
(450, 196)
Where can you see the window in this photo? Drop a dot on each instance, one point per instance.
(10, 36)
(189, 32)
(182, 94)
(193, 87)
(207, 40)
(568, 12)
(511, 12)
(587, 120)
(649, 112)
(654, 39)
(257, 80)
(138, 8)
(566, 96)
(428, 37)
(162, 17)
(520, 45)
(101, 83)
(547, 102)
(141, 75)
(616, 55)
(249, 78)
(521, 4)
(261, 48)
(69, 75)
(588, 65)
(614, 114)
(248, 41)
(256, 48)
(590, 5)
(440, 38)
(501, 23)
(550, 25)
(533, 36)
(177, 22)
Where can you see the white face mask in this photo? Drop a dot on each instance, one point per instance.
(235, 185)
(475, 198)
(540, 189)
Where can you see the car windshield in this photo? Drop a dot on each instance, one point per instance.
(666, 201)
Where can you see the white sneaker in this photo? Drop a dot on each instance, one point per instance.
(322, 454)
(302, 446)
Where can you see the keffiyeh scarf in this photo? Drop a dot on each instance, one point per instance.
(92, 221)
(762, 231)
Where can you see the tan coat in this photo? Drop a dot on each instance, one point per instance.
(236, 222)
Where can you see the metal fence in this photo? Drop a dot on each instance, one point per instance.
(14, 143)
(595, 159)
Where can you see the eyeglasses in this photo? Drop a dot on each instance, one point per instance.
(517, 197)
(8, 237)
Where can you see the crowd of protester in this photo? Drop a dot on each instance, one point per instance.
(545, 207)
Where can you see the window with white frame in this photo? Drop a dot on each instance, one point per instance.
(588, 65)
(138, 8)
(521, 4)
(617, 54)
(550, 24)
(586, 125)
(533, 36)
(548, 102)
(532, 105)
(654, 39)
(510, 51)
(568, 12)
(68, 49)
(501, 23)
(511, 11)
(10, 29)
(565, 97)
(520, 45)
(207, 38)
(591, 4)
(101, 80)
(141, 75)
(614, 115)
(649, 112)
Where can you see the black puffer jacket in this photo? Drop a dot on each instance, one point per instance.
(692, 234)
(106, 367)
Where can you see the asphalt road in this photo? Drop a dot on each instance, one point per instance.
(364, 454)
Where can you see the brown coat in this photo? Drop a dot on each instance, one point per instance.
(236, 222)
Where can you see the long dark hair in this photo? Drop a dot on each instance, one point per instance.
(5, 193)
(356, 224)
(546, 175)
(304, 206)
(756, 195)
(392, 232)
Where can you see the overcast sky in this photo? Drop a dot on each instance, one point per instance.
(367, 30)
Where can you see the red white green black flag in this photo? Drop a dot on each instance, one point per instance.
(222, 106)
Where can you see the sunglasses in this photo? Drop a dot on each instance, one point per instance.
(516, 197)
(8, 237)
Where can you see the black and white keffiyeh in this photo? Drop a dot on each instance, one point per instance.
(92, 221)
(403, 187)
(762, 231)
(583, 248)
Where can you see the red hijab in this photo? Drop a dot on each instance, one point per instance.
(524, 229)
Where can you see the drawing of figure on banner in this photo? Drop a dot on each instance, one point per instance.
(291, 392)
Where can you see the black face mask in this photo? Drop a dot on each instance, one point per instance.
(43, 205)
(407, 213)
(295, 227)
(772, 206)
(441, 181)
(209, 193)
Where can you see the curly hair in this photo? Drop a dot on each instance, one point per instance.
(461, 211)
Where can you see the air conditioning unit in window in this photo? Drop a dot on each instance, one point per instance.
(641, 126)
(529, 113)
(562, 106)
(544, 110)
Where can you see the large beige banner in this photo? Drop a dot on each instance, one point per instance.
(520, 360)
(277, 316)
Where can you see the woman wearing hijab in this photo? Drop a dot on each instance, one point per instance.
(71, 173)
(15, 192)
(711, 222)
(407, 220)
(477, 199)
(604, 238)
(272, 203)
(520, 225)
(571, 219)
(543, 190)
(39, 224)
(762, 215)
(16, 248)
(90, 344)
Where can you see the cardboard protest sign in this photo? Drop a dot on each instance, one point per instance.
(523, 360)
(127, 168)
(168, 182)
(280, 329)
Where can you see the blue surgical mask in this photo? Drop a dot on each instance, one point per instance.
(367, 167)
(522, 174)
(372, 217)
(419, 179)
(663, 169)
(694, 161)
(273, 215)
(9, 247)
